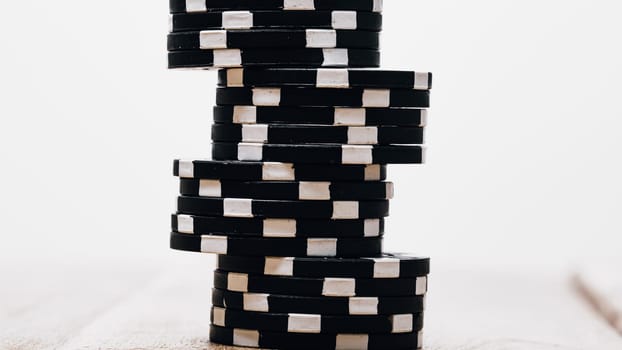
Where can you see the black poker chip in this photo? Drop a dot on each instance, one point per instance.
(312, 58)
(324, 78)
(287, 190)
(274, 303)
(386, 265)
(273, 38)
(319, 153)
(311, 341)
(262, 246)
(414, 117)
(270, 171)
(334, 97)
(319, 286)
(296, 134)
(352, 20)
(260, 208)
(177, 6)
(254, 227)
(315, 323)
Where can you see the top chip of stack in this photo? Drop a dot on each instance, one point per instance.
(182, 6)
(274, 33)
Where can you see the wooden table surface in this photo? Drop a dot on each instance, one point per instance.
(155, 305)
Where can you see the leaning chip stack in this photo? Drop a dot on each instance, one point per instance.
(294, 197)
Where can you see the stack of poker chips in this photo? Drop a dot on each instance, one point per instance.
(294, 197)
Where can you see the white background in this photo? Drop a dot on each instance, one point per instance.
(524, 142)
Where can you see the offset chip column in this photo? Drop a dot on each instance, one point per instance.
(294, 197)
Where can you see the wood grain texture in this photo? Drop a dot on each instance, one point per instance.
(503, 310)
(601, 286)
(166, 306)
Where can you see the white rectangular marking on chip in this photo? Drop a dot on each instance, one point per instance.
(279, 228)
(422, 81)
(378, 5)
(279, 266)
(350, 116)
(363, 135)
(332, 78)
(335, 57)
(298, 5)
(424, 117)
(214, 244)
(196, 6)
(345, 210)
(401, 323)
(250, 151)
(213, 39)
(344, 20)
(256, 302)
(339, 287)
(170, 23)
(219, 316)
(237, 282)
(373, 172)
(186, 169)
(321, 38)
(255, 133)
(421, 286)
(363, 306)
(372, 228)
(238, 207)
(266, 96)
(278, 171)
(237, 20)
(185, 224)
(322, 247)
(389, 191)
(352, 342)
(314, 190)
(244, 114)
(227, 58)
(357, 154)
(210, 188)
(235, 77)
(304, 323)
(386, 268)
(376, 98)
(246, 337)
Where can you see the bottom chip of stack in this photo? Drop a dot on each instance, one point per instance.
(320, 303)
(305, 341)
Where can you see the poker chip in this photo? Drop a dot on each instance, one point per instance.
(334, 97)
(224, 58)
(307, 341)
(260, 208)
(386, 265)
(287, 190)
(316, 324)
(319, 153)
(293, 134)
(324, 78)
(319, 286)
(261, 246)
(303, 228)
(271, 171)
(177, 6)
(339, 19)
(274, 303)
(273, 38)
(414, 117)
